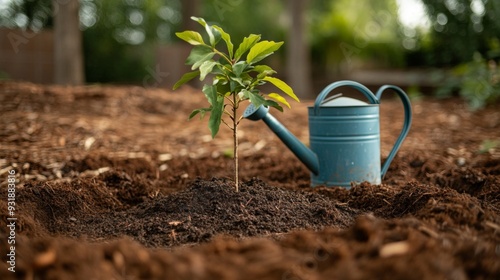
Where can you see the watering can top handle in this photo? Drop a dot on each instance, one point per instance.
(361, 88)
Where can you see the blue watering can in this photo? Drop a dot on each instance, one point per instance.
(344, 136)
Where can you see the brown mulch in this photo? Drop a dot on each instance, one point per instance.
(113, 182)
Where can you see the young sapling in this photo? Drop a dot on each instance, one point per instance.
(236, 77)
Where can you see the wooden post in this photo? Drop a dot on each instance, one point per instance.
(68, 43)
(298, 63)
(190, 8)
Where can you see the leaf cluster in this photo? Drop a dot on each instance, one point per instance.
(236, 73)
(477, 82)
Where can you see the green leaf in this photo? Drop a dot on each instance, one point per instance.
(255, 98)
(258, 100)
(244, 94)
(283, 86)
(205, 68)
(263, 71)
(192, 37)
(247, 79)
(186, 78)
(201, 111)
(216, 109)
(210, 93)
(213, 35)
(227, 38)
(274, 104)
(198, 55)
(239, 67)
(279, 98)
(223, 86)
(220, 69)
(235, 82)
(261, 50)
(220, 80)
(248, 42)
(200, 21)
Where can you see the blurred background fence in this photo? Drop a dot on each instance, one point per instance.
(33, 61)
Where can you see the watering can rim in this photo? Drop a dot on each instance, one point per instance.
(346, 106)
(339, 100)
(373, 100)
(338, 97)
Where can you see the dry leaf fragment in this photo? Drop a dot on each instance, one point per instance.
(394, 249)
(175, 223)
(95, 172)
(45, 259)
(492, 225)
(165, 157)
(88, 143)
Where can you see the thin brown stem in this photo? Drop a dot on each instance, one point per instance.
(223, 56)
(235, 139)
(228, 126)
(239, 120)
(230, 101)
(228, 114)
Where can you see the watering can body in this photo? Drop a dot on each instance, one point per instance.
(346, 141)
(344, 136)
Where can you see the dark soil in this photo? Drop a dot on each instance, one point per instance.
(115, 183)
(208, 208)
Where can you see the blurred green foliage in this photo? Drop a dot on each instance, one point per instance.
(345, 33)
(459, 29)
(3, 76)
(34, 14)
(488, 145)
(414, 93)
(477, 82)
(464, 35)
(120, 36)
(267, 17)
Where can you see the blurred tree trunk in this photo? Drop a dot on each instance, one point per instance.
(180, 51)
(68, 43)
(189, 8)
(298, 53)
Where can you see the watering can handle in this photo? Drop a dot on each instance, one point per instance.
(361, 88)
(406, 125)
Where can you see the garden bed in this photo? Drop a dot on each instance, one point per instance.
(115, 183)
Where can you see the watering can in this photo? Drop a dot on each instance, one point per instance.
(344, 136)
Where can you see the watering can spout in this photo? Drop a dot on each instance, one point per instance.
(303, 153)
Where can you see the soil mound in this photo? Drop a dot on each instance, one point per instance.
(208, 208)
